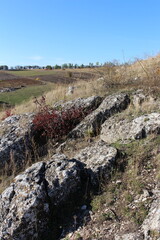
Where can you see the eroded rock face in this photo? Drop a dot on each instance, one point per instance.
(92, 123)
(28, 205)
(15, 138)
(151, 225)
(114, 129)
(34, 199)
(129, 236)
(98, 159)
(139, 97)
(90, 103)
(16, 135)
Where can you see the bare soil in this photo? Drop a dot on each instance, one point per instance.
(8, 80)
(60, 77)
(65, 77)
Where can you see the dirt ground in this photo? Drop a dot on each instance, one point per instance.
(9, 80)
(66, 77)
(60, 77)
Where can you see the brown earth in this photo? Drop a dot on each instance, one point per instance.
(61, 77)
(18, 82)
(8, 80)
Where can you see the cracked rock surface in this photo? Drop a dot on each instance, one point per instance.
(98, 159)
(14, 138)
(114, 129)
(91, 124)
(16, 131)
(26, 206)
(90, 103)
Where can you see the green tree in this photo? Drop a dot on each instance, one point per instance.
(48, 67)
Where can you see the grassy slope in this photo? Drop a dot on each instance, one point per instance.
(24, 94)
(32, 73)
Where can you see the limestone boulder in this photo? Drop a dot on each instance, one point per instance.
(151, 225)
(115, 129)
(99, 159)
(129, 236)
(32, 202)
(92, 123)
(15, 139)
(86, 104)
(16, 132)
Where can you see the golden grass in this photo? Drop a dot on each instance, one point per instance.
(82, 89)
(143, 74)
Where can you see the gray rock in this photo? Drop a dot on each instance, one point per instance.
(114, 129)
(10, 89)
(98, 159)
(139, 97)
(129, 236)
(28, 205)
(151, 225)
(70, 90)
(14, 139)
(90, 103)
(92, 123)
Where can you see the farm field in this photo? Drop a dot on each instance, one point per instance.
(32, 73)
(24, 94)
(35, 83)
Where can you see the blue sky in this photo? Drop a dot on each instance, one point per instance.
(78, 31)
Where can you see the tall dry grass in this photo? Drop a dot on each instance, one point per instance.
(82, 89)
(144, 74)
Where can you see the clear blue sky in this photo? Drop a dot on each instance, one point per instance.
(78, 31)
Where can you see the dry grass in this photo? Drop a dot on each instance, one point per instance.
(144, 74)
(82, 89)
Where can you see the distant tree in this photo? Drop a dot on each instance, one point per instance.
(18, 67)
(48, 67)
(4, 67)
(91, 64)
(65, 65)
(57, 67)
(70, 65)
(109, 64)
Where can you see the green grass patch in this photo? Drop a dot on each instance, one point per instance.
(32, 73)
(24, 94)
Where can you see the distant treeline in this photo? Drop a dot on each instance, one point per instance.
(63, 66)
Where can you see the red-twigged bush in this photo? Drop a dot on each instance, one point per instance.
(8, 113)
(55, 124)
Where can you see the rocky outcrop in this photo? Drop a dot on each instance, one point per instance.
(98, 159)
(16, 135)
(151, 225)
(129, 236)
(29, 205)
(115, 129)
(91, 124)
(150, 228)
(15, 139)
(86, 104)
(11, 89)
(139, 97)
(38, 200)
(35, 198)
